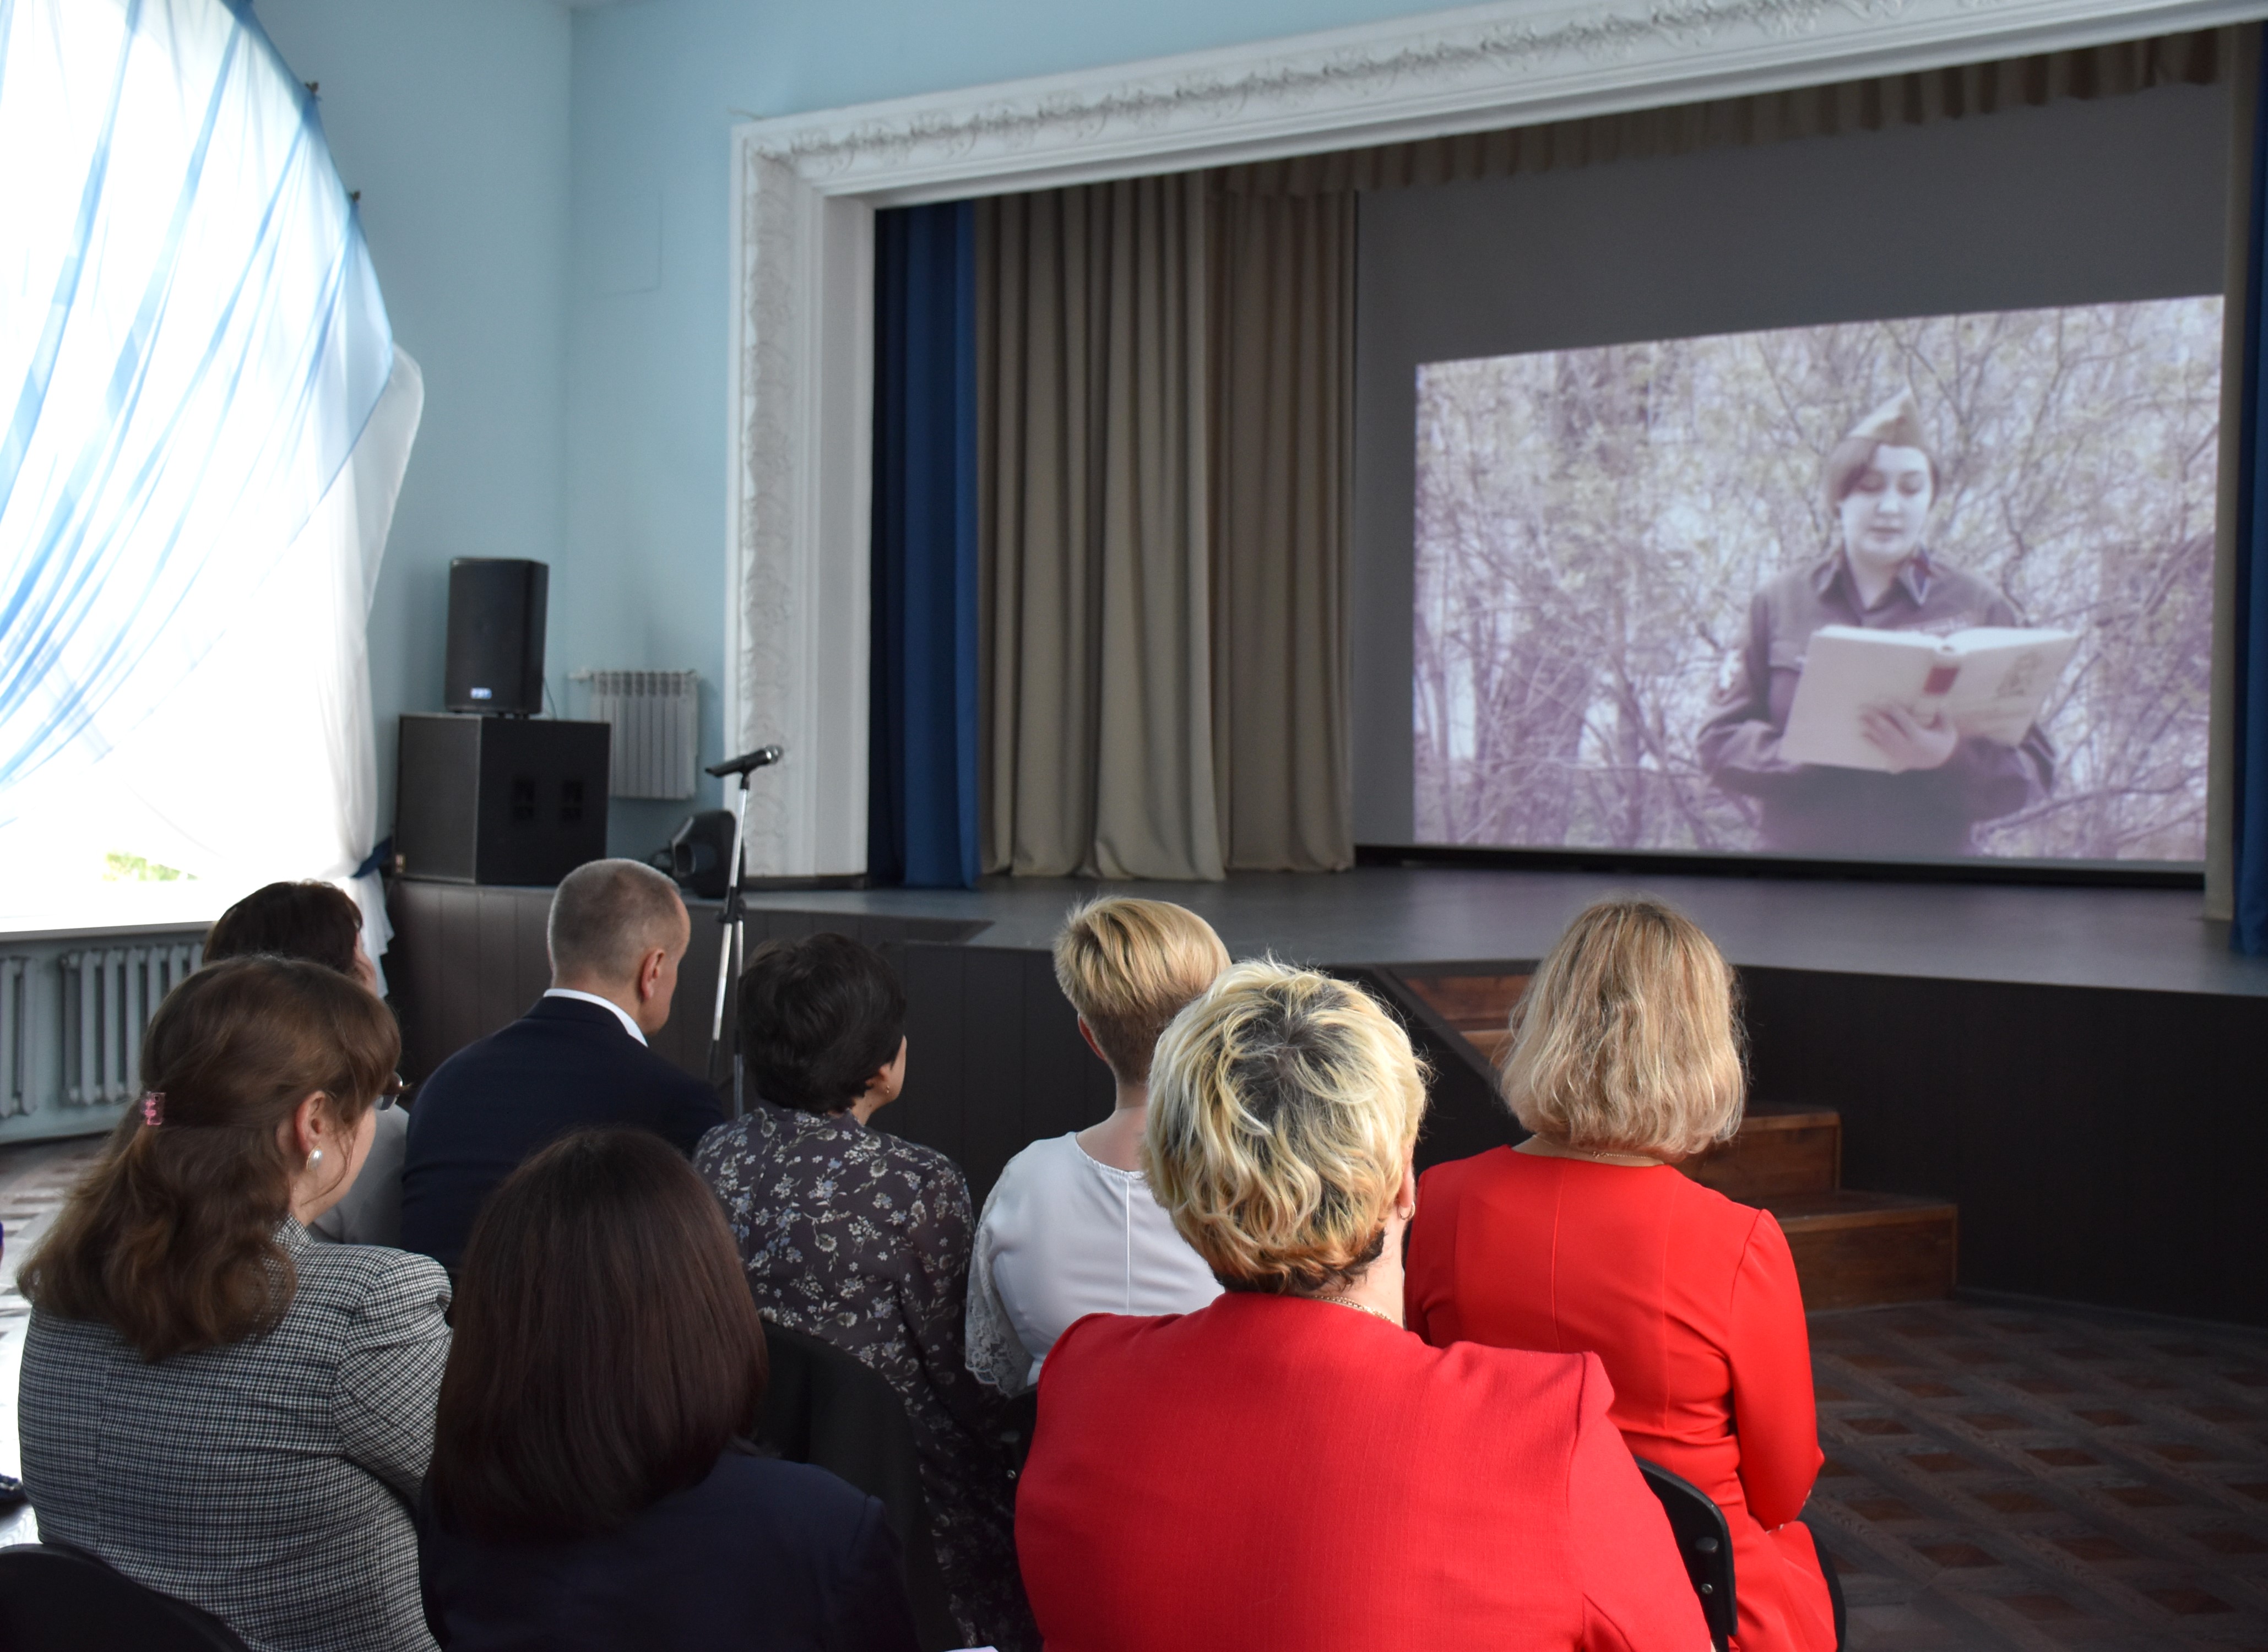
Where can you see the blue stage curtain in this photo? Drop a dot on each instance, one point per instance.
(922, 820)
(2249, 794)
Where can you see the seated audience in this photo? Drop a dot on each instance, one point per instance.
(1625, 1059)
(320, 923)
(216, 1404)
(852, 1236)
(1289, 1468)
(577, 1060)
(1071, 1227)
(592, 1484)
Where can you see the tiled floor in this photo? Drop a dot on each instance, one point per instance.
(2003, 1478)
(1998, 1479)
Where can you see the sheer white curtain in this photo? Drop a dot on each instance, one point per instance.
(205, 426)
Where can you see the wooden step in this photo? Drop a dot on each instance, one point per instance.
(1470, 1003)
(1858, 1249)
(1780, 1151)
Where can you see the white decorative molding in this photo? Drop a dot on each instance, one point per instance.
(805, 187)
(1510, 64)
(796, 598)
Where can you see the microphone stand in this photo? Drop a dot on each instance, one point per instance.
(733, 916)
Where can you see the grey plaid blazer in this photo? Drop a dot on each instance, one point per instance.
(270, 1482)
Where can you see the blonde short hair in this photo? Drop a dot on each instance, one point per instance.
(1283, 1109)
(1627, 1040)
(1128, 967)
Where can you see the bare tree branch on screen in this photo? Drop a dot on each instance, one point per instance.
(1590, 525)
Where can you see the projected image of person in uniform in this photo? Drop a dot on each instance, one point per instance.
(1880, 482)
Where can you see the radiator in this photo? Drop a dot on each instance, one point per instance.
(108, 998)
(656, 717)
(15, 1036)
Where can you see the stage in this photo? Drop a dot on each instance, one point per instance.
(2145, 939)
(2080, 1069)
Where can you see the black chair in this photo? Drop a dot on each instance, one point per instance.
(1705, 1543)
(825, 1408)
(59, 1599)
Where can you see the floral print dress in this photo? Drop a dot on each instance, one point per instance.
(861, 1239)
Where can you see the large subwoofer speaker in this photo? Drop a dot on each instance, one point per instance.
(499, 800)
(495, 661)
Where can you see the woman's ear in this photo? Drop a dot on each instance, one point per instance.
(1088, 1032)
(1405, 1197)
(311, 1125)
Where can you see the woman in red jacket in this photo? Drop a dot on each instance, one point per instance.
(1289, 1468)
(1625, 1059)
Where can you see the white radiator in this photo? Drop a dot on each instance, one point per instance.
(657, 729)
(15, 1036)
(108, 998)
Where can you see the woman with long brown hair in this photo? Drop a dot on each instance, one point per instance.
(216, 1404)
(592, 1486)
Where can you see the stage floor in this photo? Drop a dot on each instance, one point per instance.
(2139, 939)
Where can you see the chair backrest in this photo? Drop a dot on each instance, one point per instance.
(828, 1408)
(1705, 1543)
(59, 1599)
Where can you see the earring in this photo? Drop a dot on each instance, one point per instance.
(314, 1158)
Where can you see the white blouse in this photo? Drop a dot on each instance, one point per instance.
(1064, 1235)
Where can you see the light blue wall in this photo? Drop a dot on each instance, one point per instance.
(544, 191)
(658, 87)
(451, 117)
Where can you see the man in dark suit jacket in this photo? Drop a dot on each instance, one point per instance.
(616, 933)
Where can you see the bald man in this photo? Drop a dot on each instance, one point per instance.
(617, 934)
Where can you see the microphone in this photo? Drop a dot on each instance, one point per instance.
(762, 757)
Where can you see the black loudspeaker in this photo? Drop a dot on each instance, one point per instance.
(499, 800)
(495, 636)
(699, 850)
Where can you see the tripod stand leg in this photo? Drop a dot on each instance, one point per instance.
(728, 945)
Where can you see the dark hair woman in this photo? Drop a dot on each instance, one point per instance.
(310, 919)
(216, 1404)
(591, 1485)
(862, 1240)
(320, 923)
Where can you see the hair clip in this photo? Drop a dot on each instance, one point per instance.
(153, 1107)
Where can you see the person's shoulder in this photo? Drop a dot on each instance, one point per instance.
(1961, 581)
(368, 1275)
(1792, 584)
(808, 1497)
(934, 1167)
(1042, 1164)
(1555, 1389)
(1454, 1177)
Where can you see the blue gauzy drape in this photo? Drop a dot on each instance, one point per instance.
(191, 341)
(2249, 795)
(922, 819)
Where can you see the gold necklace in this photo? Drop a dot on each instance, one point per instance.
(1363, 1307)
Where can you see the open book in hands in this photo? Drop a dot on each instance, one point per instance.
(1989, 681)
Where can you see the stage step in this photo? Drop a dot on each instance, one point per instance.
(1852, 1249)
(1780, 1151)
(1858, 1250)
(1470, 1003)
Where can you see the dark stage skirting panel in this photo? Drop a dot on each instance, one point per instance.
(2084, 1070)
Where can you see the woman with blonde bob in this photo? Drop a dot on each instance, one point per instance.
(1287, 1467)
(1624, 1062)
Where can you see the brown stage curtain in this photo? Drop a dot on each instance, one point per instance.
(1921, 99)
(1093, 522)
(1283, 406)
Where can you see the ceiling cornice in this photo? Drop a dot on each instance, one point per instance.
(1510, 64)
